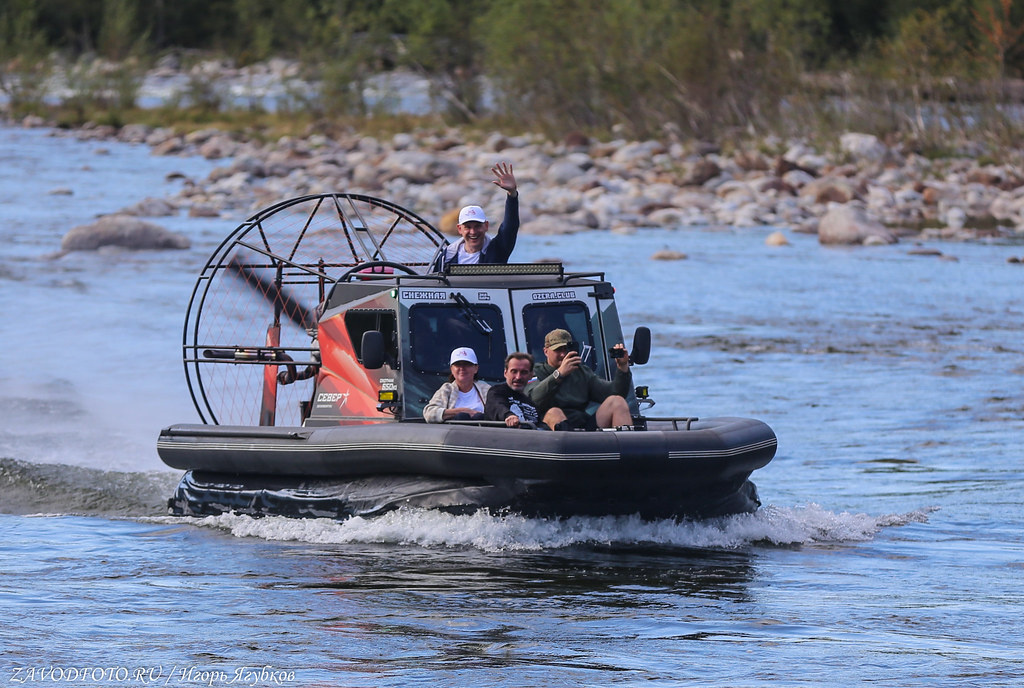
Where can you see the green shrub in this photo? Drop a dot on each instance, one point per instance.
(25, 61)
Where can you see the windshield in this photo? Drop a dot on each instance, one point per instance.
(434, 330)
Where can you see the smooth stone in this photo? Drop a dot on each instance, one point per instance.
(124, 231)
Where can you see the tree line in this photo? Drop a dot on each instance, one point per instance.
(698, 67)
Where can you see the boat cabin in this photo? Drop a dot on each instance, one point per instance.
(401, 328)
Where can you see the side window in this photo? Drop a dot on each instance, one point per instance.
(359, 321)
(539, 319)
(435, 330)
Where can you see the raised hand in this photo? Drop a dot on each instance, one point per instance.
(505, 179)
(570, 363)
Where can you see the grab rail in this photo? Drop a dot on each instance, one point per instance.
(201, 431)
(491, 423)
(675, 420)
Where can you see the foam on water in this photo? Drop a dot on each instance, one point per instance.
(485, 531)
(30, 488)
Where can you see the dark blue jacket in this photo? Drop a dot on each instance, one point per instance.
(496, 249)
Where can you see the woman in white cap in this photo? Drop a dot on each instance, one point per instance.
(463, 396)
(474, 246)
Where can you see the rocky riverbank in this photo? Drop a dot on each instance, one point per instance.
(862, 192)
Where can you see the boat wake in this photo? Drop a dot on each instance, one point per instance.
(43, 488)
(30, 488)
(485, 531)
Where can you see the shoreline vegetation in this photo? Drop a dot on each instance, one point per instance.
(653, 113)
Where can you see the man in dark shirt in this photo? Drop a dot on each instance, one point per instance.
(506, 401)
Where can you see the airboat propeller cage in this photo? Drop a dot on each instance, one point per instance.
(322, 310)
(256, 300)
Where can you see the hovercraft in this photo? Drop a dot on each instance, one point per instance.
(315, 335)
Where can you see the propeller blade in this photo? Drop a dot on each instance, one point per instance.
(290, 307)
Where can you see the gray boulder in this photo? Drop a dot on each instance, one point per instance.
(862, 146)
(150, 207)
(829, 190)
(563, 171)
(417, 167)
(124, 231)
(849, 223)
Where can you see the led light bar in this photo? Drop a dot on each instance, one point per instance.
(506, 269)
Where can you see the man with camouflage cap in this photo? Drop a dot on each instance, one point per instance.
(563, 381)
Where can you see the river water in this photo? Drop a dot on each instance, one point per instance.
(889, 549)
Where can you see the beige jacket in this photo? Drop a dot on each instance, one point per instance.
(444, 398)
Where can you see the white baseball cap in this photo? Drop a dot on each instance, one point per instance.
(463, 353)
(472, 213)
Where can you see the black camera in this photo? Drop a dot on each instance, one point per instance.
(617, 353)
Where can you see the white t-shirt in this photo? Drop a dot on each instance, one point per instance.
(466, 258)
(470, 399)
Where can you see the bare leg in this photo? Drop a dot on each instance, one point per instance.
(553, 417)
(613, 412)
